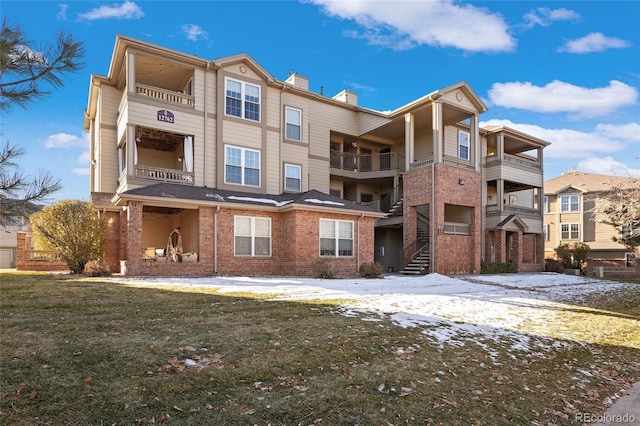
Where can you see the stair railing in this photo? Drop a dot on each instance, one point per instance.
(391, 199)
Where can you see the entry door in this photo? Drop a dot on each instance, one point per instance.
(365, 159)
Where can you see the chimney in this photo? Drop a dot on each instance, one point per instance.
(347, 96)
(298, 81)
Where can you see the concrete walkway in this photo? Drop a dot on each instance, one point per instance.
(624, 412)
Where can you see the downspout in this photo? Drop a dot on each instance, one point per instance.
(432, 260)
(358, 249)
(282, 119)
(206, 118)
(215, 240)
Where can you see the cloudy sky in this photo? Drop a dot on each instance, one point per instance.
(565, 71)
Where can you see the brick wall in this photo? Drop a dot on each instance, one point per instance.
(23, 263)
(294, 245)
(453, 252)
(113, 249)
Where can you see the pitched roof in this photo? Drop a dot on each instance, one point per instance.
(586, 182)
(200, 195)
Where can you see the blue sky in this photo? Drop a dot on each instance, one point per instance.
(565, 71)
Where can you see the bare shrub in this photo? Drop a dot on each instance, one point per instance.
(323, 267)
(370, 270)
(97, 268)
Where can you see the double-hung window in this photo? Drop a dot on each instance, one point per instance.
(336, 238)
(292, 178)
(463, 145)
(252, 236)
(241, 166)
(570, 231)
(293, 117)
(570, 203)
(242, 99)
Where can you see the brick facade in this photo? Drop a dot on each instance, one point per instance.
(294, 244)
(24, 263)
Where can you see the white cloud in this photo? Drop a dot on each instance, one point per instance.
(424, 22)
(81, 171)
(66, 141)
(126, 10)
(567, 143)
(593, 42)
(626, 132)
(559, 96)
(544, 16)
(607, 166)
(62, 12)
(194, 32)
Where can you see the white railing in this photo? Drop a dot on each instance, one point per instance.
(491, 160)
(166, 95)
(453, 228)
(44, 255)
(166, 175)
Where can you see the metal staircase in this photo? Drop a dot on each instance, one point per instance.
(420, 257)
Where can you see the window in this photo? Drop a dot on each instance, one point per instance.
(630, 260)
(242, 166)
(570, 203)
(546, 204)
(252, 236)
(570, 231)
(463, 144)
(242, 99)
(546, 229)
(293, 119)
(336, 238)
(292, 178)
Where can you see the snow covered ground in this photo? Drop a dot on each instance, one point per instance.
(514, 308)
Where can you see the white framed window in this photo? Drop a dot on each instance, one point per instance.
(546, 229)
(570, 231)
(336, 238)
(292, 177)
(241, 166)
(570, 203)
(242, 99)
(252, 236)
(463, 144)
(546, 204)
(293, 124)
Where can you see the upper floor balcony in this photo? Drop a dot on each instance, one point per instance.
(365, 166)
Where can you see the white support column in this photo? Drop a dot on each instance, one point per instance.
(501, 200)
(409, 138)
(131, 73)
(500, 147)
(477, 143)
(131, 151)
(438, 132)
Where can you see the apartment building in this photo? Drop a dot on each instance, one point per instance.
(262, 176)
(570, 215)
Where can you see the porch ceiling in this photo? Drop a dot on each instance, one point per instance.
(158, 140)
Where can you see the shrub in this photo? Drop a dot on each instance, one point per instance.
(552, 265)
(323, 267)
(498, 268)
(573, 255)
(370, 270)
(97, 268)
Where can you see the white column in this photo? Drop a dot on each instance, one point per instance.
(409, 138)
(438, 132)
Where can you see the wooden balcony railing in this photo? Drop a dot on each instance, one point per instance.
(166, 95)
(165, 175)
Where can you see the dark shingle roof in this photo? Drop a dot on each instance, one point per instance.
(198, 193)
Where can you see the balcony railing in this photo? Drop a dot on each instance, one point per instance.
(365, 162)
(166, 95)
(493, 160)
(453, 228)
(44, 255)
(165, 175)
(508, 208)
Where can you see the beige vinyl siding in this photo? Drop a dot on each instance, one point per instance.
(186, 123)
(242, 71)
(298, 155)
(368, 121)
(318, 175)
(107, 134)
(451, 142)
(271, 162)
(423, 145)
(515, 173)
(465, 103)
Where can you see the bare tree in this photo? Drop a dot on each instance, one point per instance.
(621, 208)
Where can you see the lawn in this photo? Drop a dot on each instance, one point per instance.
(99, 352)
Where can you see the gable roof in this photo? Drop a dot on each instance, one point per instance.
(172, 194)
(515, 219)
(585, 182)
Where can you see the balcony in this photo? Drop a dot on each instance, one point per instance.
(165, 96)
(347, 164)
(162, 174)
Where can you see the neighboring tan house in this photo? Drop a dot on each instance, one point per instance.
(261, 176)
(9, 242)
(570, 216)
